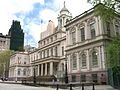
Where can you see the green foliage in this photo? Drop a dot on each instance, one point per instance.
(4, 60)
(113, 54)
(106, 8)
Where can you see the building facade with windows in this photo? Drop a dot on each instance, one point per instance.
(19, 67)
(49, 59)
(4, 42)
(87, 37)
(81, 43)
(16, 36)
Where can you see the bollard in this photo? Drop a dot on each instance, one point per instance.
(70, 86)
(57, 87)
(93, 87)
(82, 86)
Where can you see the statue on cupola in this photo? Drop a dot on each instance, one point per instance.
(64, 16)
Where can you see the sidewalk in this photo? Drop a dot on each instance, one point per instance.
(97, 87)
(10, 82)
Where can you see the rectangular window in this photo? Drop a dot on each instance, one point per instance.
(84, 60)
(44, 54)
(62, 51)
(56, 51)
(74, 62)
(82, 34)
(73, 37)
(55, 37)
(94, 78)
(47, 41)
(48, 53)
(51, 51)
(51, 39)
(44, 42)
(73, 78)
(92, 30)
(83, 78)
(108, 28)
(40, 55)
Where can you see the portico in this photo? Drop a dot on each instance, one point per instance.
(46, 68)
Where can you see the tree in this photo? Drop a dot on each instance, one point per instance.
(113, 55)
(106, 8)
(108, 11)
(4, 62)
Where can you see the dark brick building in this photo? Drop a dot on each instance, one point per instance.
(16, 36)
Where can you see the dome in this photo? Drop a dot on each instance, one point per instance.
(64, 8)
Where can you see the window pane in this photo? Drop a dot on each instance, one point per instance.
(73, 37)
(92, 30)
(108, 28)
(82, 34)
(83, 60)
(74, 61)
(94, 59)
(94, 78)
(83, 78)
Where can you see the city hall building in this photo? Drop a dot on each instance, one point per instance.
(87, 37)
(79, 41)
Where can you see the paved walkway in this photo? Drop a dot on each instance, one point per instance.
(97, 87)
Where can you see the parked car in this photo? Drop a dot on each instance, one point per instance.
(4, 79)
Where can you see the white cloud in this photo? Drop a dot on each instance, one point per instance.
(48, 14)
(8, 8)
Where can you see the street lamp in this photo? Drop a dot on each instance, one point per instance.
(34, 74)
(66, 72)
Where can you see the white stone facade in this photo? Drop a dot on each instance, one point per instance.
(86, 41)
(19, 66)
(4, 42)
(83, 41)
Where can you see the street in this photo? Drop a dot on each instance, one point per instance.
(4, 86)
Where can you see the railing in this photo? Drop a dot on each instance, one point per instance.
(57, 86)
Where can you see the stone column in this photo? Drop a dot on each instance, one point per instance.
(46, 69)
(97, 26)
(51, 68)
(78, 62)
(67, 36)
(103, 53)
(41, 69)
(86, 31)
(99, 57)
(76, 33)
(38, 70)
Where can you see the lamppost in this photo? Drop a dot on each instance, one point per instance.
(34, 74)
(66, 72)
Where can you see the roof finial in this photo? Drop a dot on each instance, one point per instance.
(64, 4)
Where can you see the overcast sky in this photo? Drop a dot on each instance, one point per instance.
(30, 13)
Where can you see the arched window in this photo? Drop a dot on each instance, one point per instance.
(19, 71)
(92, 30)
(82, 31)
(91, 26)
(94, 58)
(74, 61)
(24, 71)
(84, 60)
(28, 72)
